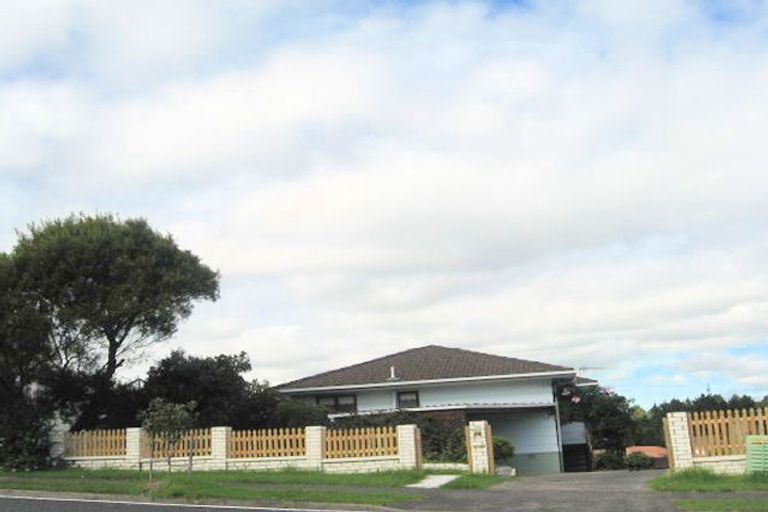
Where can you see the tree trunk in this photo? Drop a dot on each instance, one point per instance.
(151, 455)
(191, 450)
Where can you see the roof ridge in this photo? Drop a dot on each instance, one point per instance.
(356, 364)
(427, 362)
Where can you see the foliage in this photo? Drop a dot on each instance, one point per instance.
(637, 461)
(169, 421)
(296, 413)
(609, 461)
(108, 288)
(26, 410)
(503, 449)
(442, 436)
(700, 480)
(608, 417)
(224, 397)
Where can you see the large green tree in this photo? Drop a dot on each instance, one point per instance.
(110, 287)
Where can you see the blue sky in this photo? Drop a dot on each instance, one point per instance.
(580, 183)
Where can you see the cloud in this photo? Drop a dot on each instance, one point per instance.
(579, 183)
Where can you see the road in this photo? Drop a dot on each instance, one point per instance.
(44, 504)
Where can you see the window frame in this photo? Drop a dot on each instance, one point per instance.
(411, 392)
(335, 408)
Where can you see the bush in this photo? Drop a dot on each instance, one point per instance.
(638, 461)
(25, 437)
(503, 449)
(609, 461)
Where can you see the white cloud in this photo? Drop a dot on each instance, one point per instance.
(580, 183)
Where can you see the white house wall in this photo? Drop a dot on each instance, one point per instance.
(530, 391)
(522, 392)
(375, 400)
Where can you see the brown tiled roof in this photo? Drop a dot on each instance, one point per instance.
(424, 363)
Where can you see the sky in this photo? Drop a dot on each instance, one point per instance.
(580, 183)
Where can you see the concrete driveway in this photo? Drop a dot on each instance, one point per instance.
(612, 491)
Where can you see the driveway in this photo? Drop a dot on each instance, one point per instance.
(605, 491)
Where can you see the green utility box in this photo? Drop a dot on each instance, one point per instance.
(757, 454)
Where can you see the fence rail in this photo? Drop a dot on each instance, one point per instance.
(715, 433)
(361, 442)
(198, 441)
(277, 442)
(95, 443)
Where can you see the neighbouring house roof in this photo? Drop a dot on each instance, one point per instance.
(654, 452)
(584, 382)
(430, 363)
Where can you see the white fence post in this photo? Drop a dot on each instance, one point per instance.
(478, 447)
(315, 446)
(408, 447)
(133, 448)
(219, 447)
(680, 438)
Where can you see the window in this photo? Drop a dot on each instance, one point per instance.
(407, 399)
(339, 403)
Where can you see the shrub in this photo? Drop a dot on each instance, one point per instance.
(25, 437)
(637, 461)
(609, 461)
(503, 449)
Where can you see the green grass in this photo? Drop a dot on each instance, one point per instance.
(724, 505)
(235, 485)
(697, 480)
(474, 482)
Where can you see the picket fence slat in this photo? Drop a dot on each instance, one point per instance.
(198, 441)
(282, 442)
(95, 443)
(361, 442)
(717, 433)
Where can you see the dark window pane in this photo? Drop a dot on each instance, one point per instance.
(408, 399)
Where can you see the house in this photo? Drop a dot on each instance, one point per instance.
(516, 396)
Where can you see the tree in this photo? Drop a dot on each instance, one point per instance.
(26, 410)
(109, 289)
(608, 417)
(224, 397)
(168, 421)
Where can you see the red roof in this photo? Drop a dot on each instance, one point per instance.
(654, 452)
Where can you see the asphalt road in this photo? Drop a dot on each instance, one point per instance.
(28, 504)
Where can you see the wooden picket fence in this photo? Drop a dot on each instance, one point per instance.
(95, 443)
(716, 433)
(361, 442)
(198, 440)
(271, 442)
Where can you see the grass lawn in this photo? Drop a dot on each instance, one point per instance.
(467, 481)
(704, 481)
(724, 505)
(234, 485)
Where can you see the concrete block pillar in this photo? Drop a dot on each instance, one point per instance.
(58, 437)
(133, 447)
(220, 447)
(315, 446)
(680, 439)
(479, 447)
(408, 446)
